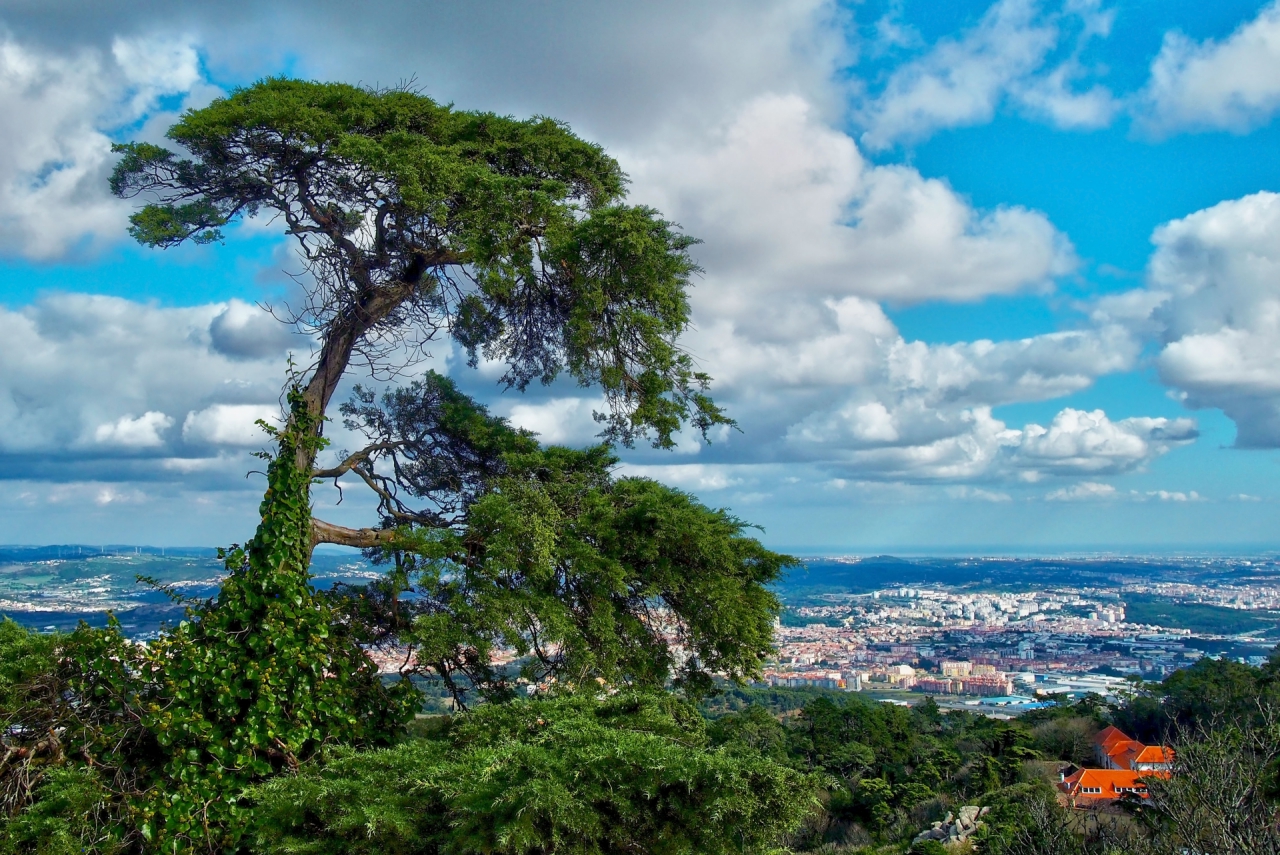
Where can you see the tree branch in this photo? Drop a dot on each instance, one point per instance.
(357, 457)
(361, 538)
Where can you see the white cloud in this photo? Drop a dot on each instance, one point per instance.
(963, 80)
(1079, 442)
(78, 371)
(1174, 496)
(1214, 305)
(1233, 84)
(786, 203)
(1085, 491)
(934, 444)
(54, 145)
(801, 352)
(128, 432)
(978, 494)
(156, 66)
(1053, 98)
(689, 476)
(558, 421)
(112, 494)
(230, 424)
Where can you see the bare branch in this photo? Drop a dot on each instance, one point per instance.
(361, 538)
(357, 457)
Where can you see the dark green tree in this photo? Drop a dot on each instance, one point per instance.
(623, 774)
(413, 221)
(584, 575)
(416, 221)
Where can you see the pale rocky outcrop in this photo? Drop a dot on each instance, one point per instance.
(955, 827)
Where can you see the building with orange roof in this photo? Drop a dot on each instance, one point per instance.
(1115, 750)
(1105, 740)
(1153, 758)
(1092, 786)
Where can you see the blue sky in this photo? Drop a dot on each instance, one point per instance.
(979, 276)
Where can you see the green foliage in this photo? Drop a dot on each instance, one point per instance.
(570, 774)
(24, 657)
(928, 847)
(68, 815)
(754, 728)
(1210, 693)
(561, 274)
(1197, 617)
(164, 737)
(544, 551)
(1026, 819)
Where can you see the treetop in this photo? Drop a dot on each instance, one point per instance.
(413, 218)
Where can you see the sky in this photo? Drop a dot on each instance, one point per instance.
(978, 277)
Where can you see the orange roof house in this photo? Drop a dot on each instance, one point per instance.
(1115, 750)
(1094, 785)
(1155, 756)
(1108, 734)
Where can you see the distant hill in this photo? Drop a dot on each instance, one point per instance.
(859, 575)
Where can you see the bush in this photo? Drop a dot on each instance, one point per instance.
(572, 773)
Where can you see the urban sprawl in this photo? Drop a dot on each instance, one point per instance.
(997, 649)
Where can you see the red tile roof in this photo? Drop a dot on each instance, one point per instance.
(1108, 733)
(1126, 753)
(1107, 783)
(1154, 754)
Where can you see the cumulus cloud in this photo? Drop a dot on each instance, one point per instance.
(1233, 84)
(142, 432)
(244, 331)
(963, 80)
(55, 148)
(930, 444)
(1081, 442)
(783, 200)
(1174, 496)
(690, 476)
(558, 420)
(230, 424)
(803, 238)
(100, 383)
(1213, 304)
(978, 494)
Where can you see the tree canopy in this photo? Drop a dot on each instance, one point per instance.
(418, 223)
(415, 220)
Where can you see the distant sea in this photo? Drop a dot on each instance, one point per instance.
(57, 587)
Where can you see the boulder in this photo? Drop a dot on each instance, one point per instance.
(954, 828)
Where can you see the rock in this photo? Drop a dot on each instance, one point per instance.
(931, 834)
(955, 828)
